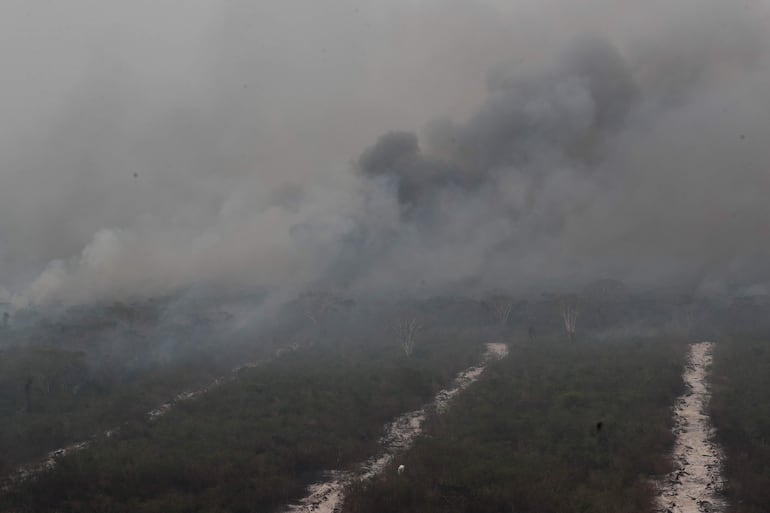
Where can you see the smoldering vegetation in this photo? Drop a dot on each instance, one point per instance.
(349, 373)
(183, 194)
(323, 405)
(70, 374)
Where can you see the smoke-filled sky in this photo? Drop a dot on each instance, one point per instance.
(378, 147)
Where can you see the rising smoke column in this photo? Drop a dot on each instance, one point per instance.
(633, 152)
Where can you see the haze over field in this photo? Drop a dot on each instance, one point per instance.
(427, 146)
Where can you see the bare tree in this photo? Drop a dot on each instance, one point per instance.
(502, 306)
(569, 312)
(406, 329)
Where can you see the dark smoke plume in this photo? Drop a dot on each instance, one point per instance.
(611, 141)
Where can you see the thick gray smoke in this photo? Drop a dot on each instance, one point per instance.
(565, 114)
(144, 151)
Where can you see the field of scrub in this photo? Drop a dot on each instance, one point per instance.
(254, 443)
(52, 397)
(740, 407)
(526, 437)
(69, 376)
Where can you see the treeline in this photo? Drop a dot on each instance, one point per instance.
(554, 428)
(740, 407)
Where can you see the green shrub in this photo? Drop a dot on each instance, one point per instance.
(525, 437)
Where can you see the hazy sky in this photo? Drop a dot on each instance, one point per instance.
(381, 146)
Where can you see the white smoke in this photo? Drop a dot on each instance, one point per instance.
(216, 147)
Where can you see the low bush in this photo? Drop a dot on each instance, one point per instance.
(555, 427)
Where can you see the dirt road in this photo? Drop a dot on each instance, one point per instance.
(695, 484)
(326, 496)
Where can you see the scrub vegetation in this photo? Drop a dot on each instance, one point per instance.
(254, 443)
(556, 427)
(740, 408)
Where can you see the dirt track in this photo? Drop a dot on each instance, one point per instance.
(696, 483)
(30, 470)
(326, 496)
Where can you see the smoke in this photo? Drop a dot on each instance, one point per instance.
(418, 147)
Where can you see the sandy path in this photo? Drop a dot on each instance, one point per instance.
(326, 496)
(30, 470)
(695, 484)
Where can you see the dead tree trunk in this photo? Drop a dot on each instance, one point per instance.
(569, 314)
(503, 308)
(407, 329)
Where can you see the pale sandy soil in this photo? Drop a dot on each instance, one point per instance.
(696, 483)
(326, 496)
